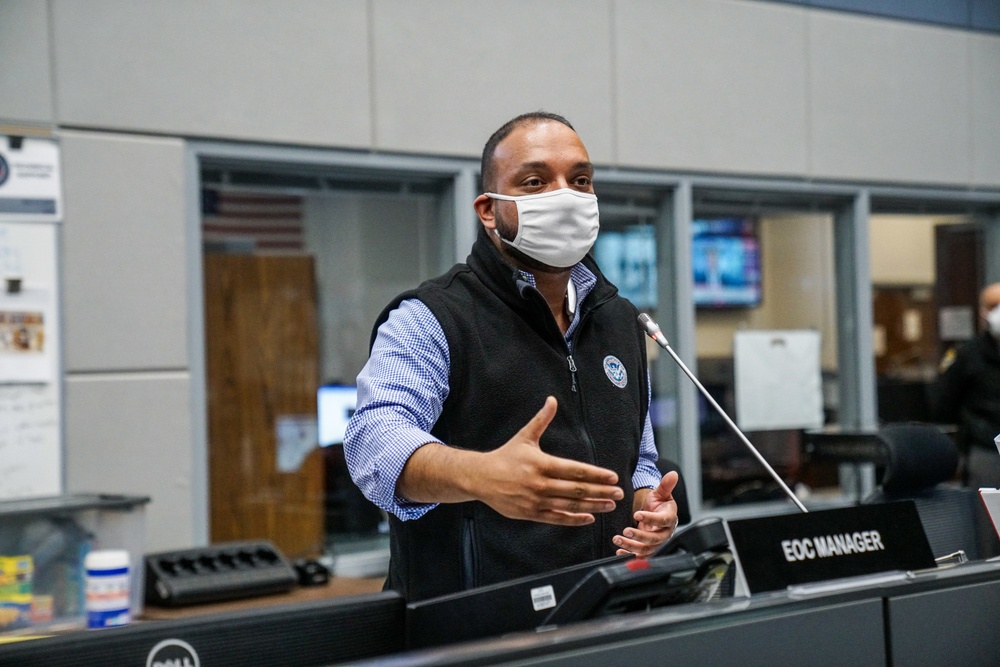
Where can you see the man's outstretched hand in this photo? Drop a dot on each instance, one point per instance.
(517, 479)
(521, 481)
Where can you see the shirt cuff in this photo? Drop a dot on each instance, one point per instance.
(646, 477)
(389, 470)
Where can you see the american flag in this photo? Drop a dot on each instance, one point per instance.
(251, 221)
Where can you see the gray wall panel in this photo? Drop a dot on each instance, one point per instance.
(985, 109)
(449, 73)
(25, 80)
(715, 86)
(124, 255)
(708, 85)
(889, 101)
(955, 626)
(131, 435)
(293, 71)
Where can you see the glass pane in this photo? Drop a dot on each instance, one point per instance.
(925, 303)
(626, 251)
(368, 249)
(761, 274)
(312, 269)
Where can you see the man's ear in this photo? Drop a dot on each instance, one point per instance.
(484, 209)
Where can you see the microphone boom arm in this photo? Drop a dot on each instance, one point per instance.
(653, 331)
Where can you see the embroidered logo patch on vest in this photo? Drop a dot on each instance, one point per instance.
(615, 371)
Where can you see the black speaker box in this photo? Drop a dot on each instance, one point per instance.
(222, 571)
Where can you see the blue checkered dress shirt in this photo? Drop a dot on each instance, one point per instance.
(401, 391)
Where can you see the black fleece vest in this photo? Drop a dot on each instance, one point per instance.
(507, 354)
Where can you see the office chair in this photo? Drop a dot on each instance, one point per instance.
(920, 462)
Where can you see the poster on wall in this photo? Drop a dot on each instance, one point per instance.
(30, 189)
(27, 303)
(30, 393)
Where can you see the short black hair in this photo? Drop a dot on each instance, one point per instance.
(487, 171)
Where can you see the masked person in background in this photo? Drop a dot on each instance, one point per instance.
(967, 393)
(503, 414)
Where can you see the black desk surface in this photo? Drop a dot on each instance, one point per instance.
(834, 623)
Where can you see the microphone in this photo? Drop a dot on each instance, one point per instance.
(652, 329)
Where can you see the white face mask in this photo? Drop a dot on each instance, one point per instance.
(556, 228)
(993, 319)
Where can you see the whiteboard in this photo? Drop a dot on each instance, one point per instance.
(31, 457)
(778, 380)
(30, 452)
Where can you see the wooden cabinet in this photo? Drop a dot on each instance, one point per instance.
(262, 373)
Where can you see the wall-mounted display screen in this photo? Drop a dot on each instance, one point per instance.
(335, 404)
(627, 258)
(725, 257)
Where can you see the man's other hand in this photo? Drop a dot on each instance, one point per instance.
(655, 521)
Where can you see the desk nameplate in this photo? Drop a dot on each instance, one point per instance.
(780, 551)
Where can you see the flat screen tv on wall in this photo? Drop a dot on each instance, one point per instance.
(725, 258)
(627, 257)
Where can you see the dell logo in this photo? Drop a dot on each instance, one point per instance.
(173, 653)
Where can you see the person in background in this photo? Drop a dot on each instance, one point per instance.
(967, 393)
(503, 414)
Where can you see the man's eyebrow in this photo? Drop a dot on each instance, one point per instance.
(541, 165)
(537, 165)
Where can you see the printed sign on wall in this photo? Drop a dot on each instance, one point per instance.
(27, 303)
(30, 394)
(30, 187)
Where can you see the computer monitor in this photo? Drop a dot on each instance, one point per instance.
(335, 403)
(489, 611)
(310, 632)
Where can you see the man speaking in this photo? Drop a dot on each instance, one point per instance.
(503, 415)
